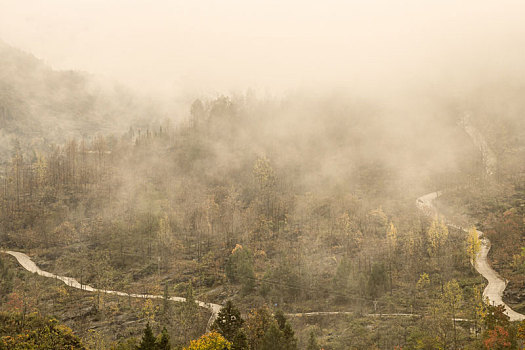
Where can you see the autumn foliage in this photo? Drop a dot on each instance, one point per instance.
(498, 338)
(210, 341)
(35, 332)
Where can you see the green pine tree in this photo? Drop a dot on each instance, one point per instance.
(273, 338)
(163, 343)
(289, 342)
(239, 268)
(148, 339)
(228, 321)
(190, 305)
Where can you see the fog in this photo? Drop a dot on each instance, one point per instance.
(282, 158)
(177, 48)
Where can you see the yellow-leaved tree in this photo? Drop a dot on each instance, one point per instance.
(452, 298)
(350, 234)
(421, 291)
(473, 244)
(423, 281)
(480, 307)
(391, 237)
(263, 173)
(210, 341)
(437, 235)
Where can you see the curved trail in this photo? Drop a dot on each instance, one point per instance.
(493, 291)
(496, 285)
(30, 266)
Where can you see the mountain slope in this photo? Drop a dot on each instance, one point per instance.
(39, 104)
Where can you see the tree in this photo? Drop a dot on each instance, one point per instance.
(210, 341)
(342, 278)
(189, 315)
(499, 332)
(272, 339)
(165, 236)
(473, 245)
(391, 236)
(452, 297)
(480, 307)
(352, 237)
(521, 332)
(423, 281)
(36, 332)
(264, 176)
(240, 341)
(312, 342)
(163, 342)
(495, 316)
(190, 305)
(285, 271)
(228, 321)
(288, 336)
(166, 300)
(442, 324)
(263, 173)
(497, 338)
(257, 324)
(40, 170)
(239, 268)
(518, 261)
(421, 287)
(377, 280)
(437, 235)
(148, 339)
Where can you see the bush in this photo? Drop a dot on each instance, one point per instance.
(35, 332)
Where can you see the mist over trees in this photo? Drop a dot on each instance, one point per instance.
(40, 106)
(295, 212)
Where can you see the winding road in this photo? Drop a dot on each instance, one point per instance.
(496, 285)
(30, 266)
(493, 291)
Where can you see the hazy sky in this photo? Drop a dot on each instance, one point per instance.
(214, 46)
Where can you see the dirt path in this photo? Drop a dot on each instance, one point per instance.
(496, 285)
(30, 266)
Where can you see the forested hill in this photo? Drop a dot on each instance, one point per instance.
(39, 105)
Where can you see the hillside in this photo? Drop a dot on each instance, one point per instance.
(284, 207)
(252, 201)
(40, 106)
